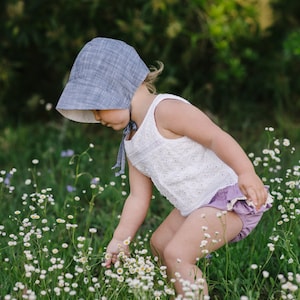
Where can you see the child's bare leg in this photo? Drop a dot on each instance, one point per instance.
(165, 232)
(205, 230)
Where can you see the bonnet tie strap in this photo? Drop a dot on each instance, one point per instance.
(121, 158)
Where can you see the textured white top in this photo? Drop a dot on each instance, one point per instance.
(183, 171)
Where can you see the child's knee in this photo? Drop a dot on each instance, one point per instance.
(171, 255)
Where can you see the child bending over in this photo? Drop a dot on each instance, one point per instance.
(204, 173)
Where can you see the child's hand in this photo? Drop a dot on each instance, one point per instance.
(253, 188)
(114, 248)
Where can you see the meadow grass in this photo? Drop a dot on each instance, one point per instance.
(60, 203)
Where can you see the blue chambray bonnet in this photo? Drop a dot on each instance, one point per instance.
(105, 75)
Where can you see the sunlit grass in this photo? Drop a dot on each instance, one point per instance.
(59, 211)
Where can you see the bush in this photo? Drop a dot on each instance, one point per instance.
(214, 51)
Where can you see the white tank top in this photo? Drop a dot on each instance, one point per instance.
(183, 171)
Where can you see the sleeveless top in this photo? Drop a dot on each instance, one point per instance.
(184, 171)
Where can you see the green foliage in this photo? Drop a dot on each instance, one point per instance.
(59, 207)
(214, 51)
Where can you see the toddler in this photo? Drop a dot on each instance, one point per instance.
(204, 173)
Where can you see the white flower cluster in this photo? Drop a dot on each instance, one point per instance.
(289, 285)
(140, 274)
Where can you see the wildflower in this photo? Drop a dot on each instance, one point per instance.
(271, 129)
(286, 142)
(208, 256)
(83, 259)
(7, 179)
(289, 286)
(60, 221)
(265, 274)
(219, 214)
(163, 268)
(81, 239)
(277, 142)
(108, 256)
(35, 217)
(92, 230)
(127, 241)
(207, 235)
(79, 269)
(35, 161)
(203, 243)
(12, 243)
(70, 188)
(69, 276)
(27, 181)
(95, 180)
(69, 226)
(42, 276)
(67, 153)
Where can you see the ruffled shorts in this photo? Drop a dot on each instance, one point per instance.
(232, 199)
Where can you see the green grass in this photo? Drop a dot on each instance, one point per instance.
(58, 212)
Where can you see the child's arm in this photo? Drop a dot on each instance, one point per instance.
(133, 214)
(183, 119)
